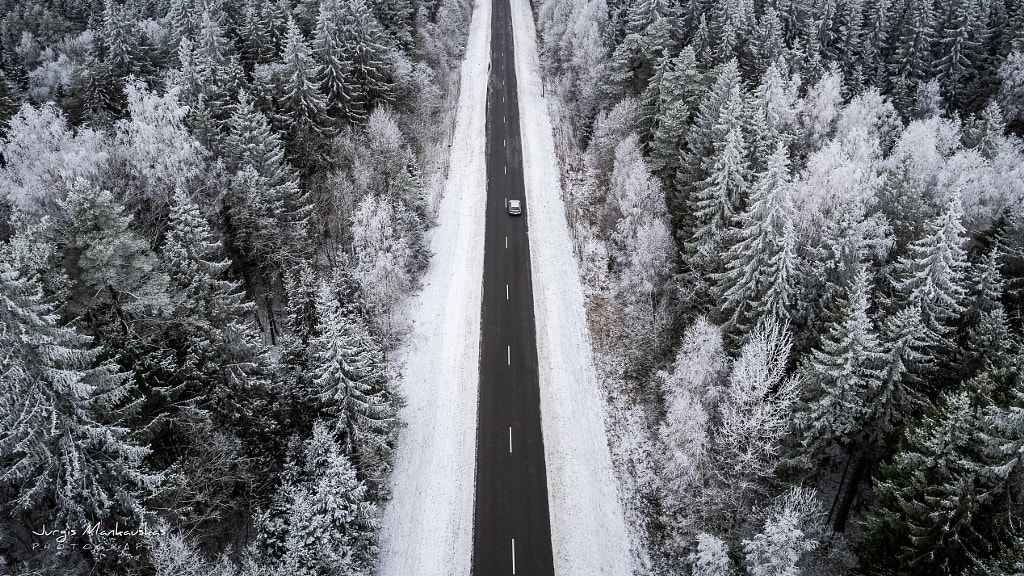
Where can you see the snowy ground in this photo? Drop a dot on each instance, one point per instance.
(588, 532)
(428, 525)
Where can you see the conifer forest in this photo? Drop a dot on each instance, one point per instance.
(799, 226)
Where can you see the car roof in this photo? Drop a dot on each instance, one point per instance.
(514, 202)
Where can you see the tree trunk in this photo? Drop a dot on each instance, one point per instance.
(851, 492)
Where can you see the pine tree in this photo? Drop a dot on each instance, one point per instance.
(707, 127)
(961, 41)
(935, 498)
(985, 335)
(66, 461)
(349, 374)
(337, 72)
(321, 522)
(302, 103)
(116, 280)
(181, 19)
(677, 99)
(761, 263)
(843, 376)
(912, 59)
(876, 42)
(931, 276)
(363, 44)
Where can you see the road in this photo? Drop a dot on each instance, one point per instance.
(512, 533)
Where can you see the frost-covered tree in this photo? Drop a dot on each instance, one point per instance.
(302, 102)
(711, 558)
(44, 158)
(350, 379)
(931, 276)
(155, 151)
(793, 528)
(337, 77)
(643, 250)
(320, 522)
(65, 459)
(383, 256)
(692, 392)
(749, 419)
(760, 263)
(754, 416)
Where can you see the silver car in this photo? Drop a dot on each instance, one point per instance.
(515, 207)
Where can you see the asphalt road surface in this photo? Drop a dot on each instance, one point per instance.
(512, 533)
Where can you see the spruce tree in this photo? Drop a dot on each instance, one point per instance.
(984, 334)
(256, 35)
(960, 43)
(66, 460)
(301, 102)
(760, 264)
(349, 374)
(843, 376)
(931, 277)
(252, 142)
(219, 352)
(321, 521)
(717, 199)
(912, 59)
(940, 501)
(337, 72)
(363, 44)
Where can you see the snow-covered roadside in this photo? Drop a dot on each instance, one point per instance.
(428, 524)
(588, 533)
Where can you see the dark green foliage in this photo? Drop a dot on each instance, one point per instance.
(151, 338)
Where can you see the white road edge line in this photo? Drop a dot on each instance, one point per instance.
(513, 555)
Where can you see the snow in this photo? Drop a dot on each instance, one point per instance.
(427, 527)
(588, 532)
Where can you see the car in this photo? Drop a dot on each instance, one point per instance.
(515, 207)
